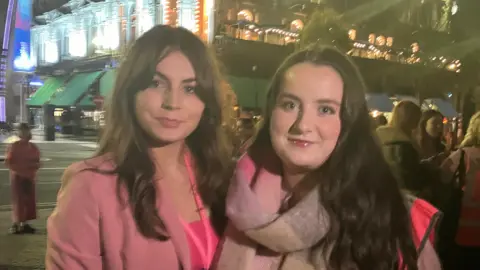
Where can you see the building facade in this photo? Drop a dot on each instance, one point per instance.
(104, 28)
(76, 45)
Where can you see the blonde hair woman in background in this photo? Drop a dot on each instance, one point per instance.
(400, 148)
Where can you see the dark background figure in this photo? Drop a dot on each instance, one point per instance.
(430, 135)
(380, 120)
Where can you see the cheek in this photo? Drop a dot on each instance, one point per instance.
(330, 128)
(140, 106)
(147, 102)
(194, 108)
(281, 121)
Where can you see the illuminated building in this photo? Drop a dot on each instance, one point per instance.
(96, 28)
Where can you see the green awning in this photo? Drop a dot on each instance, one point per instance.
(74, 89)
(43, 94)
(107, 82)
(251, 93)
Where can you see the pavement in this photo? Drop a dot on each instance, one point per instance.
(28, 251)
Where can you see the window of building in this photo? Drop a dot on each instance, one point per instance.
(186, 14)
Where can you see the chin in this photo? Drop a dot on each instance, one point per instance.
(303, 162)
(167, 138)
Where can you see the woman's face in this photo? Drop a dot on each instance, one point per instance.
(305, 123)
(169, 109)
(434, 126)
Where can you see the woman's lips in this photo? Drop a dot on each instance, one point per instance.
(299, 142)
(168, 122)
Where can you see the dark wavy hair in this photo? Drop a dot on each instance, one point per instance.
(423, 136)
(125, 141)
(370, 222)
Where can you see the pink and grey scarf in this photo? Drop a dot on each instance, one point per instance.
(259, 238)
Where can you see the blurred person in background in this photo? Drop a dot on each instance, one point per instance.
(400, 148)
(460, 230)
(380, 120)
(153, 196)
(23, 161)
(314, 190)
(430, 136)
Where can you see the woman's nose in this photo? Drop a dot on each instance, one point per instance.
(303, 123)
(171, 100)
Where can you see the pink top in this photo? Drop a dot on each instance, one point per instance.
(195, 255)
(201, 236)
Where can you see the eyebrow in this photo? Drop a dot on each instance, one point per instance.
(320, 101)
(164, 77)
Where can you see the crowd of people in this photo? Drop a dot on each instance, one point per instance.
(313, 189)
(429, 164)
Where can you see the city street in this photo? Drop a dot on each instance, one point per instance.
(27, 251)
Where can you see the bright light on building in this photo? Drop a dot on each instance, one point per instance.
(77, 44)
(145, 21)
(454, 8)
(108, 39)
(51, 52)
(389, 41)
(186, 14)
(352, 34)
(209, 19)
(244, 15)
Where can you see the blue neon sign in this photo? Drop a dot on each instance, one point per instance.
(22, 61)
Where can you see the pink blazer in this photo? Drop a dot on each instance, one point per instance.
(89, 229)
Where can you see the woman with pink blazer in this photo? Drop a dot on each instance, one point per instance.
(153, 196)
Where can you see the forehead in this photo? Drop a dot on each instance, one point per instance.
(175, 65)
(310, 81)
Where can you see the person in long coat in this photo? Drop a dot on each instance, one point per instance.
(23, 160)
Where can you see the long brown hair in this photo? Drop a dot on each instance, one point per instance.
(369, 222)
(126, 142)
(423, 138)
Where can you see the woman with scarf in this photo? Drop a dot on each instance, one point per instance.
(314, 190)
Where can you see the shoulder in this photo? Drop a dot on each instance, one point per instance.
(33, 147)
(246, 163)
(246, 167)
(14, 145)
(97, 163)
(92, 177)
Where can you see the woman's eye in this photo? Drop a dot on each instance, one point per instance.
(158, 84)
(190, 89)
(288, 105)
(154, 84)
(326, 110)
